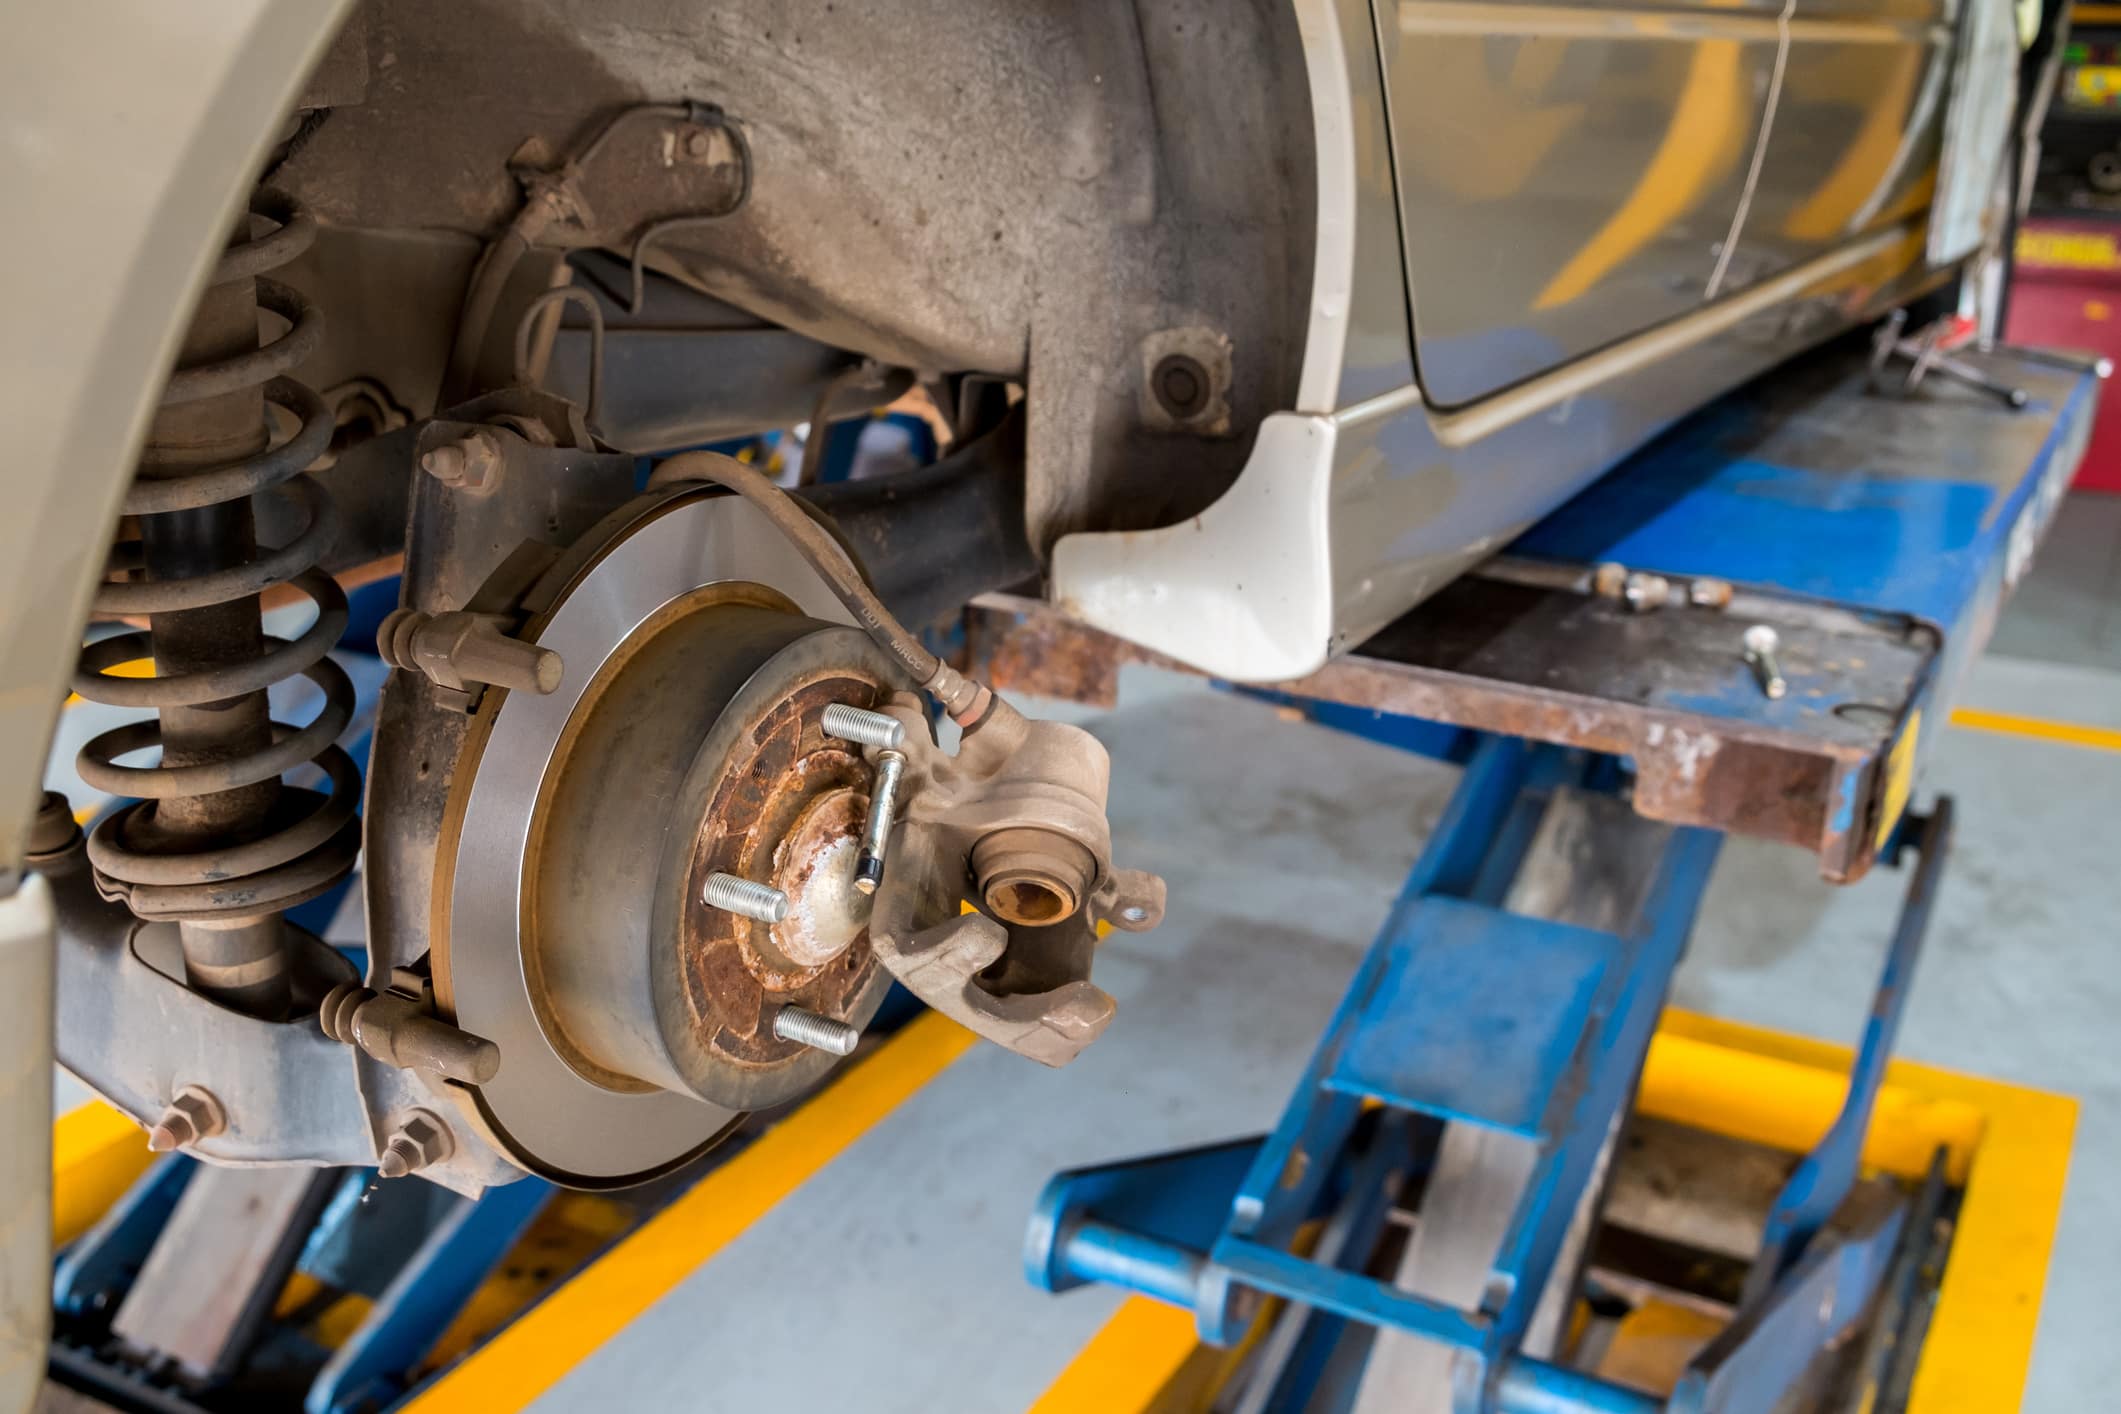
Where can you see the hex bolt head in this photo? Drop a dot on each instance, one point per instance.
(193, 1114)
(420, 1140)
(822, 1033)
(745, 898)
(470, 463)
(859, 724)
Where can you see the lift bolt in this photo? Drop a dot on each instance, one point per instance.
(807, 1028)
(1760, 645)
(745, 898)
(858, 724)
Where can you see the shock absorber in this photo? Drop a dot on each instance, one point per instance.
(214, 842)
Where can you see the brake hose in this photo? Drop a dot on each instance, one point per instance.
(965, 701)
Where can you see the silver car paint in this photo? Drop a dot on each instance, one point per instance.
(1346, 516)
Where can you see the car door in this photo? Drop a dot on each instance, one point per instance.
(1856, 135)
(1569, 170)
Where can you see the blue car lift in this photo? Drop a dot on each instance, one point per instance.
(1603, 657)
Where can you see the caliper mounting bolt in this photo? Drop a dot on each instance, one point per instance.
(745, 898)
(399, 1031)
(1760, 645)
(876, 831)
(193, 1114)
(807, 1028)
(460, 650)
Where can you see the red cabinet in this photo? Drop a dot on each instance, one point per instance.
(2066, 294)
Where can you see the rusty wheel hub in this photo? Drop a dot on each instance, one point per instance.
(634, 1021)
(703, 753)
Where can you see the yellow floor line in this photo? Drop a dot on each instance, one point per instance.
(2011, 1145)
(1132, 1363)
(531, 1356)
(2038, 729)
(1980, 1342)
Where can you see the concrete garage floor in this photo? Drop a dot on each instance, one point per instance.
(889, 1283)
(893, 1274)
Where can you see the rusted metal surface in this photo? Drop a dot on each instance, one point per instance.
(813, 866)
(1553, 664)
(790, 800)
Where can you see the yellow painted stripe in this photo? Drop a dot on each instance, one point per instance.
(2008, 1144)
(97, 1153)
(2039, 729)
(1147, 1357)
(2095, 15)
(529, 1357)
(1138, 1360)
(1980, 1341)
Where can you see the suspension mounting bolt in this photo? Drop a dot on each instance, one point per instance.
(744, 897)
(470, 463)
(193, 1114)
(420, 1140)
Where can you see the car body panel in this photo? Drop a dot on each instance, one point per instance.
(1343, 520)
(1568, 172)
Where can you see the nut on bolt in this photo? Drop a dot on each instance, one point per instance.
(193, 1114)
(471, 463)
(420, 1140)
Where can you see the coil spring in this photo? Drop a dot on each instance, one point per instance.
(309, 840)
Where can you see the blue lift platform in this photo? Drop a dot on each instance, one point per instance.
(1615, 722)
(1421, 1230)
